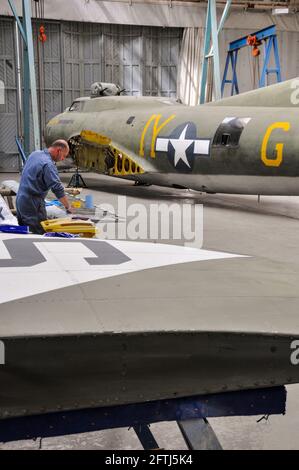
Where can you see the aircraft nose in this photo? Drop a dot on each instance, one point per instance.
(51, 131)
(47, 134)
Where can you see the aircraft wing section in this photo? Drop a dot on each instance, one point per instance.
(120, 322)
(33, 264)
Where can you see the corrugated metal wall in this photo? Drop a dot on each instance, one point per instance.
(161, 50)
(143, 60)
(8, 121)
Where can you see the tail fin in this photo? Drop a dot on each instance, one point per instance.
(284, 94)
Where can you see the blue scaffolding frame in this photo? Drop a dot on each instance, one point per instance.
(269, 36)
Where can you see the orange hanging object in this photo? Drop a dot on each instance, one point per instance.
(254, 43)
(251, 40)
(42, 34)
(255, 51)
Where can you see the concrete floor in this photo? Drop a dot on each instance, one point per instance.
(268, 232)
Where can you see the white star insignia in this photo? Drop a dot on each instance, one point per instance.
(181, 145)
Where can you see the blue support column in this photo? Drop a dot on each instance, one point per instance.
(32, 77)
(211, 26)
(276, 56)
(235, 86)
(22, 31)
(216, 60)
(224, 15)
(146, 437)
(204, 69)
(29, 78)
(269, 45)
(224, 80)
(26, 97)
(231, 59)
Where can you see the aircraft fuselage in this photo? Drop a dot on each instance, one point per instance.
(249, 150)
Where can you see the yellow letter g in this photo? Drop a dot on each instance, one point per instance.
(285, 126)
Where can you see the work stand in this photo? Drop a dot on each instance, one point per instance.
(191, 415)
(77, 180)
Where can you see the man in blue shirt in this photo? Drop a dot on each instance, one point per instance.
(39, 176)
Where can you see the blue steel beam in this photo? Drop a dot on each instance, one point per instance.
(242, 403)
(242, 42)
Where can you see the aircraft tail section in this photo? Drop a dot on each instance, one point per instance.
(284, 94)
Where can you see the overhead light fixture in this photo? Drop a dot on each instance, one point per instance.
(280, 11)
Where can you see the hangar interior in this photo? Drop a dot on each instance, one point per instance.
(148, 48)
(102, 338)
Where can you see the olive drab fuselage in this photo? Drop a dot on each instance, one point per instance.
(220, 147)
